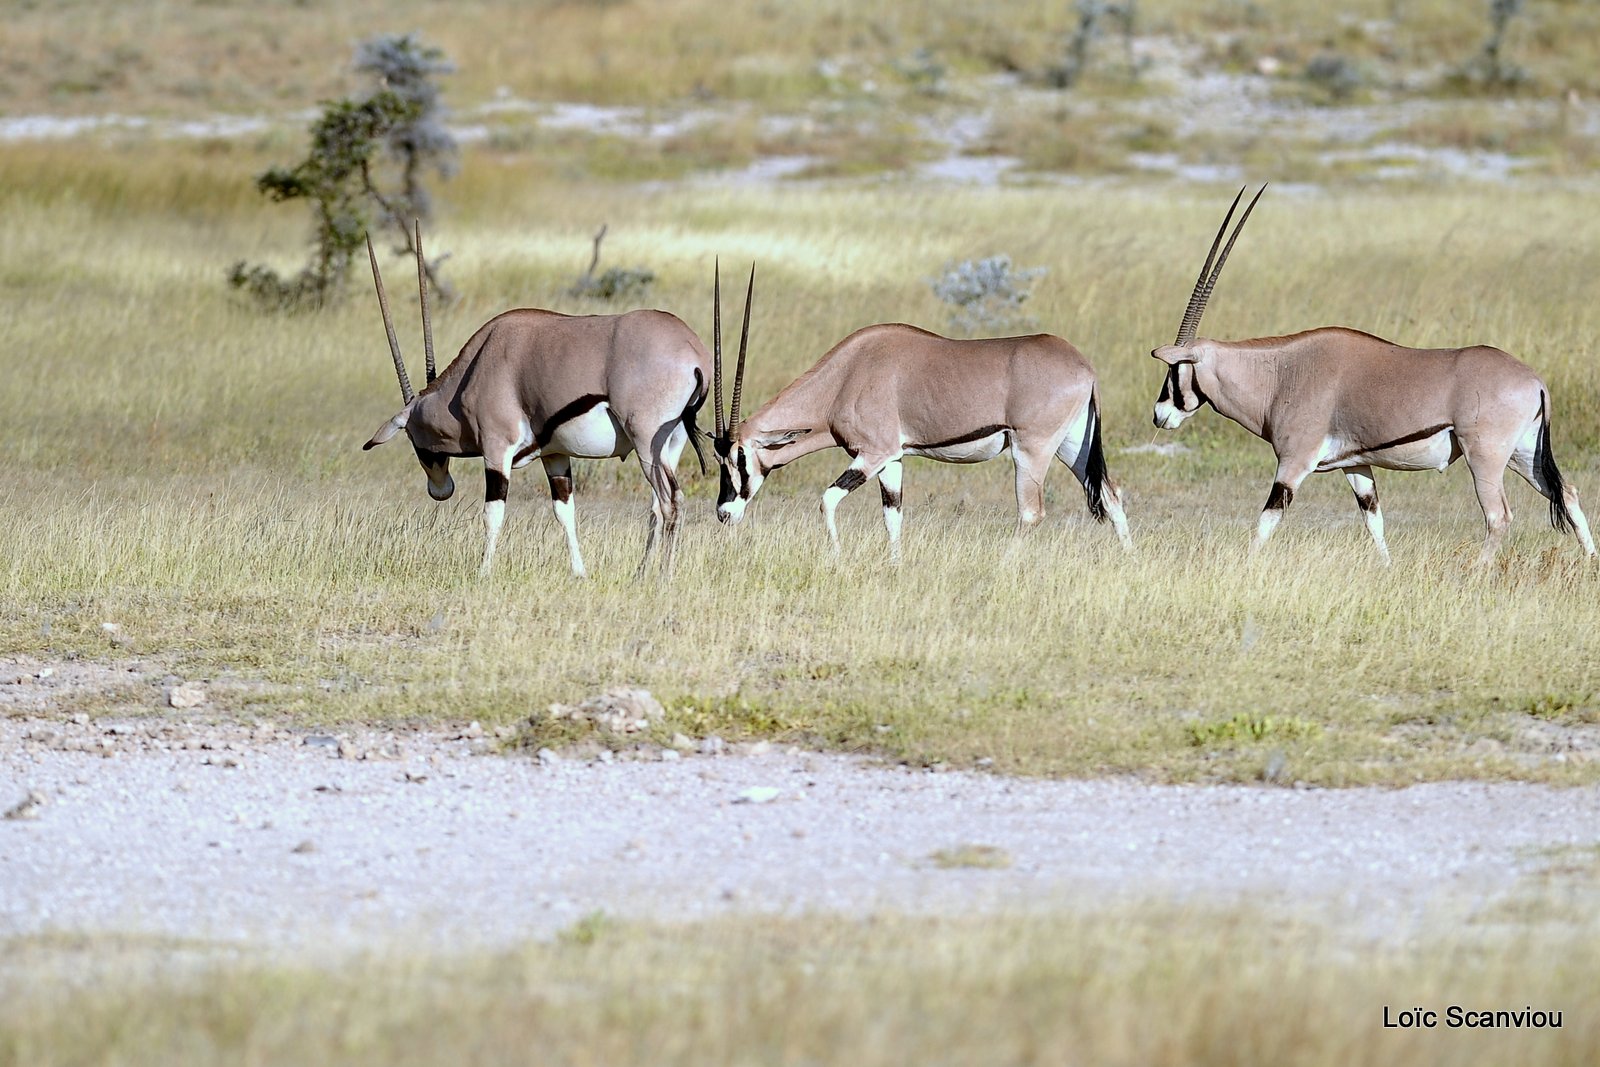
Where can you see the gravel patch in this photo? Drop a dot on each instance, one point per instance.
(255, 835)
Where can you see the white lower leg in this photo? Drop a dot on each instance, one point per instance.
(1579, 522)
(494, 516)
(830, 503)
(567, 515)
(889, 485)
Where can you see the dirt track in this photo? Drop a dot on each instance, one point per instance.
(275, 839)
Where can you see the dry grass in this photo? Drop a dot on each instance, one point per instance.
(175, 57)
(189, 468)
(1151, 988)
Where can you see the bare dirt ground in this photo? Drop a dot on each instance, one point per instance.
(257, 836)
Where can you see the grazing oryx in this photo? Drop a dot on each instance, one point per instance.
(891, 391)
(1338, 399)
(540, 385)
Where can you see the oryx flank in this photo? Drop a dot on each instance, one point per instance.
(891, 391)
(539, 385)
(1339, 399)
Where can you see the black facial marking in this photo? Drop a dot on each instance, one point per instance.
(724, 484)
(1369, 504)
(744, 475)
(851, 480)
(1280, 497)
(891, 497)
(966, 438)
(495, 485)
(432, 459)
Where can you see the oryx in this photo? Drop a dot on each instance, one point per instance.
(540, 385)
(891, 391)
(1339, 399)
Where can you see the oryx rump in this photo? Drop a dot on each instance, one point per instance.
(1339, 399)
(533, 384)
(893, 391)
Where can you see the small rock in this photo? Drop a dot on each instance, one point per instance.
(320, 741)
(548, 757)
(48, 672)
(758, 794)
(304, 847)
(712, 745)
(474, 730)
(682, 743)
(26, 808)
(416, 777)
(607, 756)
(670, 754)
(186, 696)
(81, 719)
(348, 751)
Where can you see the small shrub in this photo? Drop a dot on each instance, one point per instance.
(1334, 74)
(972, 857)
(1092, 17)
(1245, 726)
(617, 283)
(986, 295)
(1489, 69)
(401, 115)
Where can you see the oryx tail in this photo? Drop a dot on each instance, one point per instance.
(1560, 517)
(1096, 482)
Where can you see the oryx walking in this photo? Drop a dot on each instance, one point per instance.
(1339, 399)
(891, 391)
(540, 385)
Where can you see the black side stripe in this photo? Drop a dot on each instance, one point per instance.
(965, 439)
(1408, 439)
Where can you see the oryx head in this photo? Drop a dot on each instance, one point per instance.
(435, 465)
(1181, 395)
(738, 456)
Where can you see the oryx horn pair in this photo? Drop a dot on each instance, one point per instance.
(1209, 274)
(388, 320)
(725, 429)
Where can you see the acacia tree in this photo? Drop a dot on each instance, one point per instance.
(402, 118)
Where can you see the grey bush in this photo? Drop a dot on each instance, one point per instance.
(986, 295)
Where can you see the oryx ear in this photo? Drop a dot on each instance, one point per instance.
(779, 438)
(389, 429)
(1176, 354)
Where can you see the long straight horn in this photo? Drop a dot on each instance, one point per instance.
(1216, 271)
(716, 341)
(388, 326)
(422, 291)
(1191, 314)
(744, 342)
(1209, 273)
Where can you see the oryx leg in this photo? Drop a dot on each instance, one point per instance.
(1488, 466)
(558, 472)
(496, 487)
(1031, 463)
(1284, 486)
(1365, 487)
(1074, 451)
(659, 464)
(862, 468)
(1525, 461)
(889, 488)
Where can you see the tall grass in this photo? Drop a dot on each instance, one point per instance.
(190, 468)
(1151, 988)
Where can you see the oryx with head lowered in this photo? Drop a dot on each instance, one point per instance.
(893, 391)
(540, 385)
(1339, 399)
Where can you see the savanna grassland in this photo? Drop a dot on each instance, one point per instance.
(187, 468)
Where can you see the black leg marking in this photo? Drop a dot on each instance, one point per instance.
(560, 488)
(1280, 497)
(495, 485)
(891, 497)
(851, 480)
(1368, 504)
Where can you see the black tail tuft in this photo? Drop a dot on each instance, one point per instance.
(1555, 485)
(696, 402)
(1094, 471)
